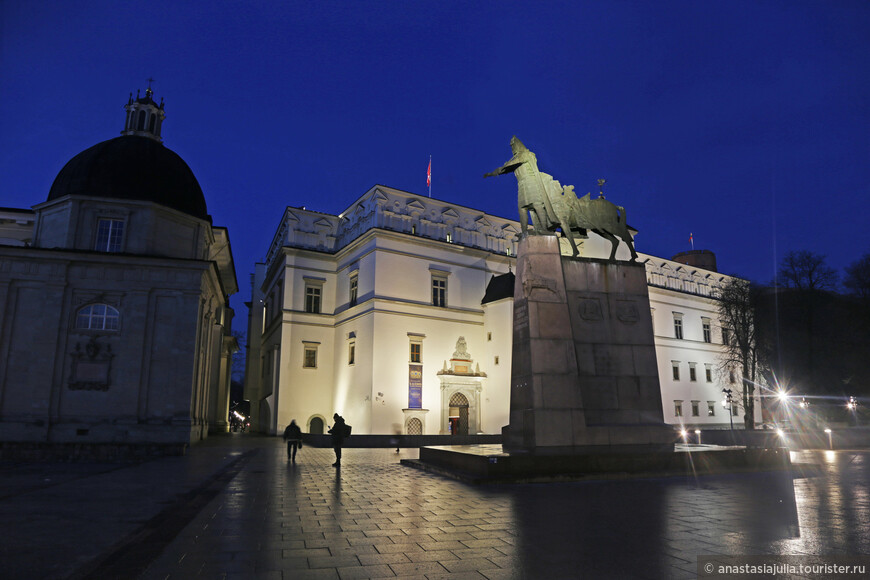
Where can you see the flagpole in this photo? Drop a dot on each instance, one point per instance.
(429, 176)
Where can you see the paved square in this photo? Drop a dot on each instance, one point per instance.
(377, 519)
(234, 508)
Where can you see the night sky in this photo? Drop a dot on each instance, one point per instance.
(742, 122)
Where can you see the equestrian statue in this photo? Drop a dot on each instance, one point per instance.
(554, 207)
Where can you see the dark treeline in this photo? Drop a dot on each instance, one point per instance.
(814, 332)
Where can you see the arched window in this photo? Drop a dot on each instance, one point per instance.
(141, 125)
(97, 317)
(151, 125)
(414, 426)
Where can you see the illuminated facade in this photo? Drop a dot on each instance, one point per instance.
(398, 314)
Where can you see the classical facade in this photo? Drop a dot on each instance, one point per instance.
(114, 300)
(398, 314)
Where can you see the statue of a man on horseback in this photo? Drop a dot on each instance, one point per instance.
(553, 206)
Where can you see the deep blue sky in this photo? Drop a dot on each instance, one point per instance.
(746, 123)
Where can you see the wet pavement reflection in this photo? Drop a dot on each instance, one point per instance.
(374, 518)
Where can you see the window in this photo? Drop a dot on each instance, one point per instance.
(734, 409)
(351, 353)
(110, 234)
(678, 408)
(675, 367)
(449, 238)
(496, 360)
(692, 374)
(695, 408)
(439, 291)
(141, 125)
(312, 298)
(309, 360)
(731, 377)
(708, 372)
(705, 325)
(97, 317)
(726, 336)
(678, 325)
(488, 336)
(416, 352)
(711, 408)
(354, 288)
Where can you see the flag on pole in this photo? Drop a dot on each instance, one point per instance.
(429, 176)
(691, 240)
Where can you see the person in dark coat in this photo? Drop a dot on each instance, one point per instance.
(338, 432)
(293, 437)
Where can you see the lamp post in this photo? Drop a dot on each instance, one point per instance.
(852, 405)
(728, 401)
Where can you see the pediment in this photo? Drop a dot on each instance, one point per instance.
(450, 213)
(414, 204)
(323, 223)
(483, 222)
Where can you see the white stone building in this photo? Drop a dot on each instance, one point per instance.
(398, 315)
(114, 300)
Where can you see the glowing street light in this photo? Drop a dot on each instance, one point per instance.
(830, 438)
(698, 435)
(852, 404)
(804, 403)
(728, 404)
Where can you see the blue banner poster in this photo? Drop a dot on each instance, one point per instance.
(415, 386)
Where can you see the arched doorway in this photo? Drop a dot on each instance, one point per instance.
(315, 426)
(458, 414)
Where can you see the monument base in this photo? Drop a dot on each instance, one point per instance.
(482, 464)
(584, 373)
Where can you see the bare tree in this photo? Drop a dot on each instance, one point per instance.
(805, 270)
(857, 279)
(737, 303)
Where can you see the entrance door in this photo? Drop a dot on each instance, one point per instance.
(458, 414)
(316, 426)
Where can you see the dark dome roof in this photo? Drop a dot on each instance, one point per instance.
(131, 167)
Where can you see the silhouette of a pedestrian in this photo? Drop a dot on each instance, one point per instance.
(338, 432)
(293, 437)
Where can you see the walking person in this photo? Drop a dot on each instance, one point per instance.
(338, 432)
(293, 437)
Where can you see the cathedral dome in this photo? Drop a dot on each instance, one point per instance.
(135, 168)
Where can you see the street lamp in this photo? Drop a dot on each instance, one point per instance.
(852, 404)
(698, 435)
(729, 403)
(830, 439)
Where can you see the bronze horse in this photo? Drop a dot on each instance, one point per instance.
(598, 215)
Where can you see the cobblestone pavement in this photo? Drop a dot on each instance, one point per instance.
(374, 518)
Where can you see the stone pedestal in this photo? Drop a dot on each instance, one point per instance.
(584, 374)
